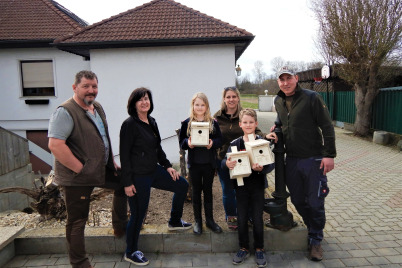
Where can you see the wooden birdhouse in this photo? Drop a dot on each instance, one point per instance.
(259, 151)
(199, 133)
(242, 168)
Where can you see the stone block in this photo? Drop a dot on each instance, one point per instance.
(149, 243)
(227, 241)
(381, 137)
(8, 234)
(399, 145)
(186, 242)
(294, 239)
(100, 244)
(37, 245)
(7, 253)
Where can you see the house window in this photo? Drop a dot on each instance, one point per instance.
(37, 78)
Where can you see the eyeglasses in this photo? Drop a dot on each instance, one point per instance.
(230, 88)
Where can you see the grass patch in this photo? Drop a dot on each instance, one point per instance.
(248, 95)
(249, 101)
(246, 104)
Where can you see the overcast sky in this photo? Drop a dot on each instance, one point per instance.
(282, 28)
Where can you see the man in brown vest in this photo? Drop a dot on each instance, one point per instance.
(79, 140)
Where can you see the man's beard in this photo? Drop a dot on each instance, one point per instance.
(89, 102)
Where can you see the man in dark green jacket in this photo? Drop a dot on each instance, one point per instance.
(309, 139)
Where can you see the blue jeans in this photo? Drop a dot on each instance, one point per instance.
(160, 179)
(308, 188)
(228, 193)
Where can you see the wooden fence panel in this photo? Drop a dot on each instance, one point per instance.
(14, 151)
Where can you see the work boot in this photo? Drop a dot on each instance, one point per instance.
(315, 252)
(198, 219)
(211, 224)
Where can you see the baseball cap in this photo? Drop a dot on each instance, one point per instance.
(285, 70)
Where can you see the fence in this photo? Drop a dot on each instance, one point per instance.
(14, 152)
(387, 108)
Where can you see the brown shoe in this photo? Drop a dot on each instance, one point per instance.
(315, 252)
(119, 233)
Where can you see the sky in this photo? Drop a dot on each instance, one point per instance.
(282, 28)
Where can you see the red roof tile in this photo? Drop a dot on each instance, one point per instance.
(23, 20)
(159, 22)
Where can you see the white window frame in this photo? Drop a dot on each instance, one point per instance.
(37, 81)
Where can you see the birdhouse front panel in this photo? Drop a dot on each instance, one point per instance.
(262, 155)
(259, 152)
(199, 133)
(242, 168)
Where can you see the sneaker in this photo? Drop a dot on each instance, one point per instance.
(260, 258)
(182, 225)
(241, 256)
(315, 252)
(137, 258)
(232, 222)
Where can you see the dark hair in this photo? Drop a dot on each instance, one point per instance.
(87, 74)
(135, 96)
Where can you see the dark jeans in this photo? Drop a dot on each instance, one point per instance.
(304, 178)
(228, 193)
(250, 199)
(160, 179)
(77, 199)
(202, 177)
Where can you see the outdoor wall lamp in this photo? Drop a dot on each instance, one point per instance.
(238, 70)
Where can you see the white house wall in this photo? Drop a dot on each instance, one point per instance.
(17, 116)
(173, 74)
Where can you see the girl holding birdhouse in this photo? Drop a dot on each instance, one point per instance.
(201, 136)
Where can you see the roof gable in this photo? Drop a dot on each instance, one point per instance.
(157, 23)
(35, 21)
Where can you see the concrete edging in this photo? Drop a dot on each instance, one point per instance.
(157, 239)
(7, 245)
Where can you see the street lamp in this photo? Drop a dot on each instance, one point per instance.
(238, 70)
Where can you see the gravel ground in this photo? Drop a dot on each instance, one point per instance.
(100, 213)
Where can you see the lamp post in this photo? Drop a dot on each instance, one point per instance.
(238, 70)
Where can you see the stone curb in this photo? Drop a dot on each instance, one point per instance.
(157, 239)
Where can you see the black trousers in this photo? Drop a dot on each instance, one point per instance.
(250, 199)
(202, 177)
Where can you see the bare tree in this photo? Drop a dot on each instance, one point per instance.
(362, 35)
(259, 73)
(277, 63)
(297, 66)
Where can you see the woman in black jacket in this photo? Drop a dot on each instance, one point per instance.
(144, 165)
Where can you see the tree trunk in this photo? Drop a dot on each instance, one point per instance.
(48, 201)
(364, 98)
(183, 169)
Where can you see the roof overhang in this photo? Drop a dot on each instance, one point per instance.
(26, 43)
(83, 49)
